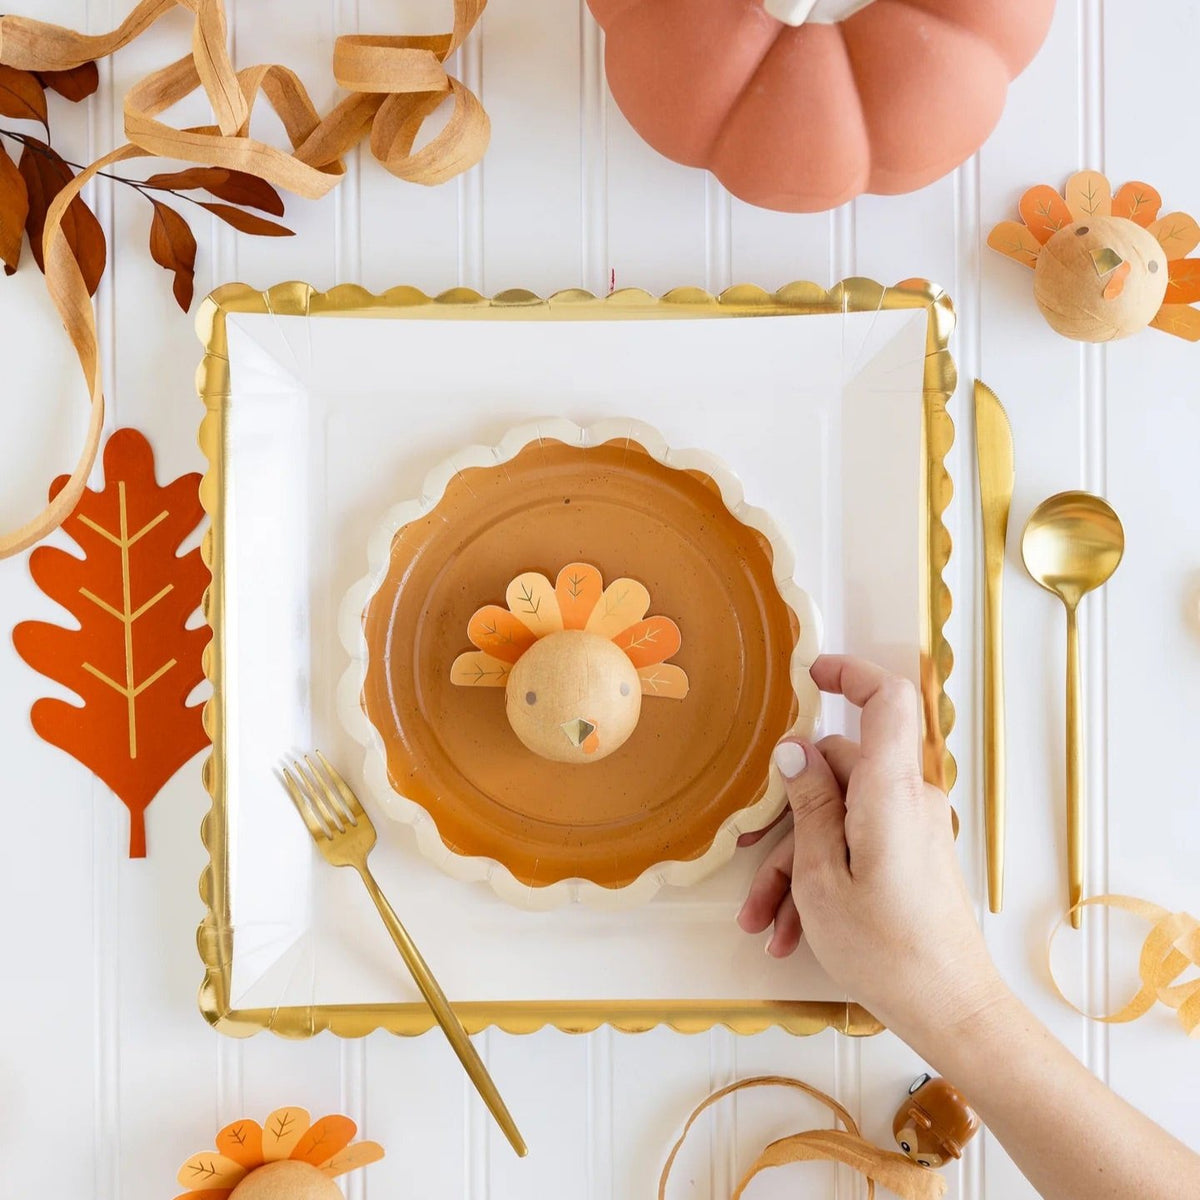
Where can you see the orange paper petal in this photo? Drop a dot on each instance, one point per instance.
(281, 1132)
(1011, 238)
(624, 602)
(651, 641)
(324, 1139)
(211, 1170)
(1177, 233)
(1088, 194)
(497, 632)
(1137, 202)
(242, 1141)
(207, 1194)
(578, 588)
(1183, 281)
(477, 669)
(664, 679)
(532, 598)
(1044, 211)
(1179, 320)
(360, 1154)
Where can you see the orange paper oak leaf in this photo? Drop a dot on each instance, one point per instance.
(131, 658)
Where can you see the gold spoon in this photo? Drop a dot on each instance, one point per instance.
(1072, 544)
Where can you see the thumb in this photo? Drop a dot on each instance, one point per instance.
(818, 808)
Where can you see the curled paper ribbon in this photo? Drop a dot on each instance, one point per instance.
(1170, 948)
(890, 1170)
(394, 84)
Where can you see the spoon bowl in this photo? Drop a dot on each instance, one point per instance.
(1072, 544)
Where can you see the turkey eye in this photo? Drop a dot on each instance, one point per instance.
(905, 1147)
(624, 689)
(1152, 267)
(531, 697)
(1081, 231)
(922, 1162)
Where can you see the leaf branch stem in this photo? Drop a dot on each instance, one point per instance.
(38, 147)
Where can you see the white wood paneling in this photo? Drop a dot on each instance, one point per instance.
(102, 1036)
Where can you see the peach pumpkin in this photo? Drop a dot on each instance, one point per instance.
(802, 118)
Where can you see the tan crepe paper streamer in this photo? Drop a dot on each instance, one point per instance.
(890, 1170)
(395, 83)
(1170, 948)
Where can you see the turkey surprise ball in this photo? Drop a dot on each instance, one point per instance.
(573, 697)
(1100, 279)
(287, 1180)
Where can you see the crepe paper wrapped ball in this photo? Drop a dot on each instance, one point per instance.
(934, 1123)
(287, 1181)
(287, 1157)
(575, 659)
(1106, 266)
(799, 105)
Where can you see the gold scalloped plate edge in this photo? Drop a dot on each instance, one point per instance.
(214, 936)
(471, 869)
(799, 1017)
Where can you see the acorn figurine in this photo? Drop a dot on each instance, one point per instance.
(575, 659)
(287, 1157)
(1106, 266)
(934, 1123)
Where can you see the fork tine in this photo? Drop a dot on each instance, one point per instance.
(317, 794)
(302, 806)
(345, 791)
(330, 794)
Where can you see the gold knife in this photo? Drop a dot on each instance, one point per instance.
(994, 450)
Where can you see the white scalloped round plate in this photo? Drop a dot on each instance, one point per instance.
(669, 805)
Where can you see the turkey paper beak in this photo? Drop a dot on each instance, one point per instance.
(577, 730)
(1109, 262)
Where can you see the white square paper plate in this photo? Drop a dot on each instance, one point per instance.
(830, 409)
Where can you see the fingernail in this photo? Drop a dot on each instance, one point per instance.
(790, 759)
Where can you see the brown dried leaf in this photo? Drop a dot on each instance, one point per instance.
(46, 175)
(246, 222)
(76, 84)
(14, 208)
(237, 187)
(173, 246)
(189, 179)
(21, 95)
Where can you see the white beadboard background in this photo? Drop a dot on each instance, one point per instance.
(109, 1078)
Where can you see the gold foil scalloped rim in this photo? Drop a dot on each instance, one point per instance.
(215, 935)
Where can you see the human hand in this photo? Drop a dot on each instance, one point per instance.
(868, 872)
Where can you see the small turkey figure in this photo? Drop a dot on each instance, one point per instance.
(575, 659)
(934, 1123)
(1106, 265)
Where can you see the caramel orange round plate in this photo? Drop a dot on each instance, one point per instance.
(668, 805)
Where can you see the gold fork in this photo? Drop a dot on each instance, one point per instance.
(344, 835)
